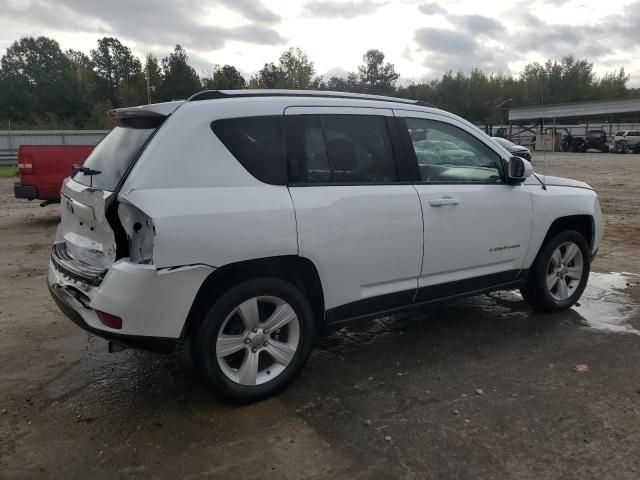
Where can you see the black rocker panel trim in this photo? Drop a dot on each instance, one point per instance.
(370, 307)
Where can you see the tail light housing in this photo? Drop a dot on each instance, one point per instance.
(140, 232)
(25, 164)
(109, 320)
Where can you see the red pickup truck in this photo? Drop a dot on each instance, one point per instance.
(42, 169)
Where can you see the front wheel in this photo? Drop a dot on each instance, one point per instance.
(560, 273)
(624, 147)
(255, 339)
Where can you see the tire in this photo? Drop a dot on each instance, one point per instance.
(225, 326)
(624, 147)
(552, 298)
(604, 148)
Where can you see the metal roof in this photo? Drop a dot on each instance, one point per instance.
(580, 109)
(217, 94)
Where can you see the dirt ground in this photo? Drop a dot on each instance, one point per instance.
(482, 388)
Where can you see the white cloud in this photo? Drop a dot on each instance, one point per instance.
(423, 39)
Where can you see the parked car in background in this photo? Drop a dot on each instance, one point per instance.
(245, 222)
(441, 152)
(514, 149)
(627, 141)
(595, 140)
(42, 169)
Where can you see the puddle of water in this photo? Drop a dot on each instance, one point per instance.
(606, 304)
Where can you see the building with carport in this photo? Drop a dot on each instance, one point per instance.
(610, 115)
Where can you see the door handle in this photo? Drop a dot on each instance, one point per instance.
(438, 202)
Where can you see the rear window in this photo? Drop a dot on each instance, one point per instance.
(113, 156)
(257, 143)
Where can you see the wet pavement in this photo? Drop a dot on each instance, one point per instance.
(483, 388)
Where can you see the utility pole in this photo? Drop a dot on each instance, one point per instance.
(150, 88)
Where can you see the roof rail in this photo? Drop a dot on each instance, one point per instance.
(218, 94)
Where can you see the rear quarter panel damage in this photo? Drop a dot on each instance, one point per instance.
(206, 208)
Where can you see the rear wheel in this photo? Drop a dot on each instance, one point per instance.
(560, 273)
(255, 339)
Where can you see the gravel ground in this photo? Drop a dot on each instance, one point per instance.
(482, 388)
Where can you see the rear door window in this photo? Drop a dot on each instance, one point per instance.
(114, 155)
(306, 152)
(257, 143)
(340, 149)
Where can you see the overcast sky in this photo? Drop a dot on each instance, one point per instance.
(423, 39)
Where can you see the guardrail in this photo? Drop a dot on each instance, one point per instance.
(10, 140)
(7, 160)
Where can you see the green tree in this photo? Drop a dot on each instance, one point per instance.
(225, 78)
(293, 71)
(133, 91)
(375, 76)
(115, 65)
(270, 76)
(154, 72)
(37, 78)
(98, 119)
(86, 77)
(297, 69)
(340, 84)
(179, 79)
(613, 84)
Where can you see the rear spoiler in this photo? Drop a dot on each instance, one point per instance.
(152, 110)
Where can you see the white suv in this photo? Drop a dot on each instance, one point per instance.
(627, 140)
(247, 221)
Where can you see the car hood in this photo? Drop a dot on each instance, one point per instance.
(518, 148)
(552, 181)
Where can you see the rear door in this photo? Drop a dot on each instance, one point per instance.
(358, 216)
(476, 227)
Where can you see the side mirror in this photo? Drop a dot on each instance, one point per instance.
(518, 169)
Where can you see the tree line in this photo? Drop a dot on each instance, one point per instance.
(42, 86)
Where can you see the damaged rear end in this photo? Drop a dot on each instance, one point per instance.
(101, 272)
(96, 229)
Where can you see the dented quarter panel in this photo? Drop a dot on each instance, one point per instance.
(218, 226)
(204, 205)
(140, 231)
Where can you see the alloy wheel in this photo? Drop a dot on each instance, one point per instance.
(565, 271)
(257, 340)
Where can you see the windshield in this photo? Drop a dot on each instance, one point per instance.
(114, 154)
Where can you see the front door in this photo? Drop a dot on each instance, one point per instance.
(476, 226)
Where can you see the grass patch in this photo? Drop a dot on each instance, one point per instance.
(8, 171)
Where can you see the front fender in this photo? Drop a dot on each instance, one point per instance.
(557, 202)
